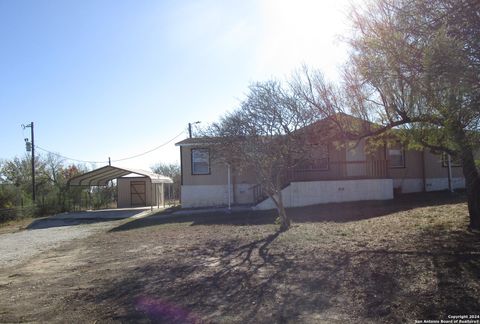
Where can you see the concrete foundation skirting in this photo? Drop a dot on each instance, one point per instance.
(215, 195)
(431, 184)
(299, 194)
(436, 184)
(408, 185)
(204, 195)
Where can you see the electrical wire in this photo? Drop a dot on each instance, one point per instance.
(118, 160)
(68, 158)
(154, 149)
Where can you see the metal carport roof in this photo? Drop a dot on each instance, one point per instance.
(101, 176)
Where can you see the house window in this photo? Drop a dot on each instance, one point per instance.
(454, 161)
(200, 161)
(396, 156)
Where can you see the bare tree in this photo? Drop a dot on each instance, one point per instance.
(415, 65)
(265, 136)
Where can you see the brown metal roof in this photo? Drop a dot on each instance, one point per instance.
(101, 176)
(319, 125)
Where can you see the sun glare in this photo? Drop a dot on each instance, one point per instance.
(302, 32)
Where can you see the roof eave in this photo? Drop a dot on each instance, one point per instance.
(193, 144)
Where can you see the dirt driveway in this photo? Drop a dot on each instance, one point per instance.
(48, 233)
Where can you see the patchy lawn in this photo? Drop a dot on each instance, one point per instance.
(380, 262)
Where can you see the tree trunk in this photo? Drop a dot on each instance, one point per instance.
(472, 179)
(282, 214)
(474, 207)
(472, 185)
(284, 219)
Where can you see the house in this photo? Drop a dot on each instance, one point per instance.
(333, 172)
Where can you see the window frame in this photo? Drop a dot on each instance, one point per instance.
(192, 171)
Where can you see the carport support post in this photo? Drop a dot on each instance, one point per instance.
(170, 200)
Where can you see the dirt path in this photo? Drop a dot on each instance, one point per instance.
(16, 248)
(48, 233)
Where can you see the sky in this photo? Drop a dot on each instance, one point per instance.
(115, 79)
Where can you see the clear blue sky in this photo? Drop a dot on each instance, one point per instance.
(116, 78)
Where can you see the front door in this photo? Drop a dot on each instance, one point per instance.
(138, 193)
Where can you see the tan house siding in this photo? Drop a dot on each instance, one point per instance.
(436, 169)
(413, 166)
(217, 175)
(424, 171)
(212, 189)
(218, 172)
(409, 178)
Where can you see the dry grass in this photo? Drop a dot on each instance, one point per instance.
(16, 225)
(380, 262)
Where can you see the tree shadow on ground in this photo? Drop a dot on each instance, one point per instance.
(205, 278)
(456, 267)
(332, 212)
(428, 282)
(49, 223)
(267, 281)
(237, 282)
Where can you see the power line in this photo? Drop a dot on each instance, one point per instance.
(68, 158)
(155, 148)
(118, 160)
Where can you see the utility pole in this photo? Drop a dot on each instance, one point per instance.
(190, 128)
(32, 146)
(33, 163)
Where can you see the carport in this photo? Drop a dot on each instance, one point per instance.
(135, 188)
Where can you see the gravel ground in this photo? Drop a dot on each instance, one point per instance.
(15, 248)
(48, 233)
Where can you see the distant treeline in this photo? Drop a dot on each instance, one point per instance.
(52, 194)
